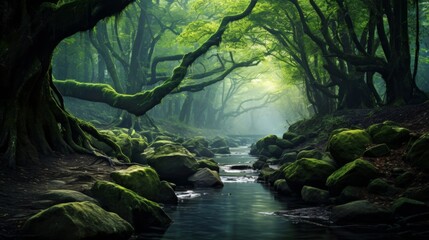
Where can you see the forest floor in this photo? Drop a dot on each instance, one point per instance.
(20, 188)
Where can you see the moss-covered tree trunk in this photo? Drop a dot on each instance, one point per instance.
(32, 118)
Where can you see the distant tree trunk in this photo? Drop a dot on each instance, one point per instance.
(185, 112)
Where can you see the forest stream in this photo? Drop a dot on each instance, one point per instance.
(242, 209)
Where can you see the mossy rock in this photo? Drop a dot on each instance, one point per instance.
(64, 195)
(289, 136)
(282, 187)
(173, 163)
(380, 187)
(418, 154)
(288, 157)
(265, 141)
(219, 142)
(314, 195)
(258, 165)
(205, 177)
(284, 144)
(265, 173)
(307, 171)
(378, 150)
(357, 173)
(312, 153)
(350, 194)
(75, 221)
(144, 181)
(390, 133)
(208, 163)
(407, 207)
(349, 145)
(360, 212)
(420, 193)
(298, 140)
(196, 141)
(274, 151)
(405, 179)
(223, 150)
(159, 143)
(137, 210)
(277, 174)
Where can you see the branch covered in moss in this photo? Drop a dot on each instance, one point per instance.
(139, 103)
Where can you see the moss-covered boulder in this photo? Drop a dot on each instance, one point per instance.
(289, 136)
(378, 150)
(265, 173)
(198, 145)
(357, 173)
(64, 195)
(350, 194)
(346, 146)
(418, 154)
(407, 207)
(405, 179)
(265, 141)
(75, 221)
(145, 181)
(287, 157)
(173, 163)
(274, 151)
(360, 212)
(298, 140)
(390, 133)
(206, 178)
(222, 150)
(137, 210)
(420, 193)
(277, 174)
(282, 187)
(284, 144)
(208, 163)
(312, 153)
(381, 187)
(219, 142)
(159, 143)
(307, 171)
(314, 195)
(259, 164)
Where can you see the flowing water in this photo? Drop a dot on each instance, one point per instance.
(242, 209)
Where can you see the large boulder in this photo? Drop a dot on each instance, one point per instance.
(390, 133)
(137, 210)
(159, 143)
(346, 146)
(407, 207)
(357, 173)
(314, 195)
(75, 221)
(360, 212)
(307, 171)
(219, 142)
(378, 150)
(274, 151)
(145, 181)
(206, 178)
(208, 163)
(312, 153)
(265, 141)
(173, 163)
(284, 144)
(198, 145)
(289, 136)
(418, 154)
(282, 187)
(64, 196)
(381, 187)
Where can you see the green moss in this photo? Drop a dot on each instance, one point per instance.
(77, 220)
(389, 133)
(418, 154)
(349, 145)
(313, 153)
(208, 163)
(307, 171)
(144, 181)
(137, 210)
(356, 173)
(314, 195)
(265, 141)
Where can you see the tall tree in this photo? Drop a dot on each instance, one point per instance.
(32, 116)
